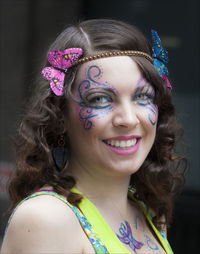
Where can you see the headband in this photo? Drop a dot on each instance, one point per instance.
(61, 61)
(114, 53)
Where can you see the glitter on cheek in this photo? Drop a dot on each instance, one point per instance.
(78, 110)
(144, 96)
(153, 113)
(90, 117)
(150, 112)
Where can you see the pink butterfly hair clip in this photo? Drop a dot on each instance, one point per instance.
(60, 62)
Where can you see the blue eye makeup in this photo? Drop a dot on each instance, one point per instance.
(144, 95)
(95, 97)
(98, 98)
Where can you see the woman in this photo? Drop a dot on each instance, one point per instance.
(101, 122)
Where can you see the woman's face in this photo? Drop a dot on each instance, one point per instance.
(112, 128)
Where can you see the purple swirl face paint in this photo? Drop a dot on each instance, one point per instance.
(95, 97)
(112, 121)
(144, 96)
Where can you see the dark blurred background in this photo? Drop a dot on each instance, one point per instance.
(27, 28)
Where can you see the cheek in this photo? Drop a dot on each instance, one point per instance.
(150, 112)
(90, 117)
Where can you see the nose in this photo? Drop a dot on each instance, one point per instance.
(125, 115)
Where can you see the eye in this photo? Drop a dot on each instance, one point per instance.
(98, 100)
(144, 98)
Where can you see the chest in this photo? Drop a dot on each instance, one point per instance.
(149, 246)
(135, 235)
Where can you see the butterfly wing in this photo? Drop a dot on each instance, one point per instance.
(56, 78)
(64, 59)
(70, 56)
(160, 67)
(158, 50)
(160, 58)
(164, 77)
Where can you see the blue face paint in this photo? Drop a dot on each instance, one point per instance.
(144, 96)
(95, 97)
(139, 223)
(126, 237)
(150, 243)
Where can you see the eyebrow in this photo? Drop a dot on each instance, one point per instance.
(105, 88)
(141, 84)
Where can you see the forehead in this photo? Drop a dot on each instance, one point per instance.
(111, 69)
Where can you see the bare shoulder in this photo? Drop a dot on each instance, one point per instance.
(43, 224)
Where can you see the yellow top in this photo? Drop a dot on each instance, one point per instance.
(101, 236)
(106, 234)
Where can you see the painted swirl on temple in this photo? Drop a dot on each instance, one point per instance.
(89, 88)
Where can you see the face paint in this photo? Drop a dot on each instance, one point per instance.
(95, 97)
(144, 96)
(126, 237)
(150, 243)
(112, 115)
(139, 223)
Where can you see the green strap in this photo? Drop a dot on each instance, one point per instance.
(163, 240)
(106, 233)
(109, 238)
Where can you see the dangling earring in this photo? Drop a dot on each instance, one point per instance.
(60, 153)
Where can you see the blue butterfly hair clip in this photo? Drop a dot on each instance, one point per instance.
(160, 58)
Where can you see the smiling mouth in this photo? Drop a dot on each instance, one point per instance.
(121, 144)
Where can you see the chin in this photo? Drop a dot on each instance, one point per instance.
(123, 168)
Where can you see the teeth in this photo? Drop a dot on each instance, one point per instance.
(122, 143)
(129, 143)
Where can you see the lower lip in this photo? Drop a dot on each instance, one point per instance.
(128, 151)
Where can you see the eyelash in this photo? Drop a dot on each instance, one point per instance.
(146, 97)
(93, 101)
(103, 100)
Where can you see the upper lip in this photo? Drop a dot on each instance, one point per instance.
(123, 137)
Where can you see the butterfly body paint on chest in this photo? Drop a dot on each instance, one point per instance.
(127, 238)
(87, 112)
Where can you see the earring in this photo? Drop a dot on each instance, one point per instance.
(60, 153)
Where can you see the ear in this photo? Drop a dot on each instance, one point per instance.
(66, 126)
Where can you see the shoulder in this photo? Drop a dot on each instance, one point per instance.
(43, 224)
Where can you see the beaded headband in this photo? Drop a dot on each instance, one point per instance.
(114, 53)
(61, 61)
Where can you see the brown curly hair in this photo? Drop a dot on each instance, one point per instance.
(161, 175)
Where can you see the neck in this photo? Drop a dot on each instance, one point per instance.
(100, 188)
